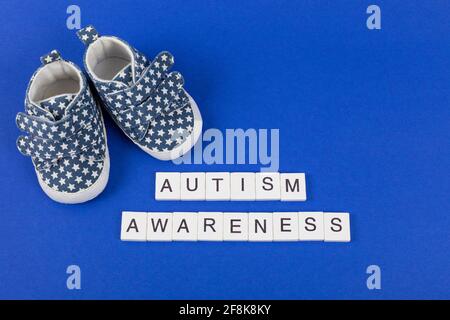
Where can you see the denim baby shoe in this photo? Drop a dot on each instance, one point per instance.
(66, 137)
(147, 102)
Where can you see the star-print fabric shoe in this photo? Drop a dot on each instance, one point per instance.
(146, 101)
(66, 137)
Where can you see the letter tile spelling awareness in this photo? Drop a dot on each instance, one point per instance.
(236, 226)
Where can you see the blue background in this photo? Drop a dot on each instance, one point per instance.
(364, 113)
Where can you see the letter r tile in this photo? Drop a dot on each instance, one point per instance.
(210, 226)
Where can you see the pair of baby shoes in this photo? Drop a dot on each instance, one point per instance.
(66, 137)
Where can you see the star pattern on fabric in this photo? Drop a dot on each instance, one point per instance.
(145, 99)
(57, 105)
(87, 35)
(65, 140)
(154, 111)
(50, 57)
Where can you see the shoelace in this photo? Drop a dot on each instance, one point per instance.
(50, 142)
(155, 94)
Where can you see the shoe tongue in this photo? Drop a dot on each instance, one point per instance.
(125, 76)
(57, 105)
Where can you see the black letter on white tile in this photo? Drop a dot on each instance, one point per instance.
(339, 227)
(285, 225)
(268, 183)
(294, 188)
(313, 226)
(159, 225)
(232, 225)
(196, 184)
(263, 228)
(166, 184)
(183, 225)
(211, 224)
(132, 225)
(217, 182)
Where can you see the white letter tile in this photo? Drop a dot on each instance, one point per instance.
(167, 186)
(260, 226)
(210, 226)
(293, 187)
(337, 226)
(134, 226)
(184, 226)
(235, 226)
(159, 226)
(267, 186)
(285, 226)
(243, 186)
(310, 226)
(218, 186)
(192, 186)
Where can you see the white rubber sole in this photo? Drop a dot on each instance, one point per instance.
(187, 144)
